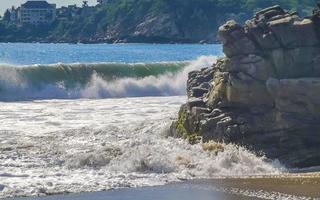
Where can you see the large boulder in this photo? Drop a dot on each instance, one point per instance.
(265, 94)
(299, 96)
(236, 41)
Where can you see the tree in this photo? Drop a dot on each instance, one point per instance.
(6, 16)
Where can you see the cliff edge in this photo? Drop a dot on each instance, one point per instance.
(265, 92)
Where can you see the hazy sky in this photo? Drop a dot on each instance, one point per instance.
(4, 4)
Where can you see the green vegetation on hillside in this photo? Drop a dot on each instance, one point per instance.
(147, 21)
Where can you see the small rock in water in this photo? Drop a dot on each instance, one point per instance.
(2, 187)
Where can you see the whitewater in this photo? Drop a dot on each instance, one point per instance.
(86, 127)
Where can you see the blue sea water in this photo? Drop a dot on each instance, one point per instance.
(35, 53)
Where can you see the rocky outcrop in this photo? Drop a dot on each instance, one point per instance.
(265, 94)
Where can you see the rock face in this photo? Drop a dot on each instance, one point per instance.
(265, 94)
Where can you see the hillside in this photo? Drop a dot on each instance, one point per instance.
(159, 21)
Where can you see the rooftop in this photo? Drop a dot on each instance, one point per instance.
(36, 4)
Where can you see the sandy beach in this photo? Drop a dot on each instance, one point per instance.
(301, 186)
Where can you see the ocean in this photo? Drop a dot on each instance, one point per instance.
(93, 117)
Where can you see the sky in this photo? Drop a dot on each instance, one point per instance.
(4, 4)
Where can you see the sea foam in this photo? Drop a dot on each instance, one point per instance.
(92, 145)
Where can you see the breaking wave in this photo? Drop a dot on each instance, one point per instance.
(100, 80)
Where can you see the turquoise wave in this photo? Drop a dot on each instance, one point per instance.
(61, 80)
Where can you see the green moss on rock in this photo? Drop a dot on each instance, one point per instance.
(182, 117)
(181, 129)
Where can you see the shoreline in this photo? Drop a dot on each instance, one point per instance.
(289, 186)
(71, 43)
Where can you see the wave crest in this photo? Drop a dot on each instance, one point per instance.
(103, 80)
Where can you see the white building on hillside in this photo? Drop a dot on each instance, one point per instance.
(36, 12)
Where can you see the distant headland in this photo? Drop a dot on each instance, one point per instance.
(128, 21)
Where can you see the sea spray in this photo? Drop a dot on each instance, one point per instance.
(168, 84)
(100, 80)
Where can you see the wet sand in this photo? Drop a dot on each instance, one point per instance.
(181, 191)
(289, 186)
(306, 185)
